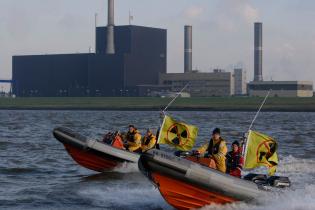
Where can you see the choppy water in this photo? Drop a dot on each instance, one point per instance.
(37, 173)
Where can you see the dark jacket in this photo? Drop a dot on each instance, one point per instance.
(234, 162)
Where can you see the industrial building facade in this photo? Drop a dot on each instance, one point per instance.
(132, 61)
(217, 83)
(139, 58)
(239, 82)
(50, 75)
(281, 88)
(258, 87)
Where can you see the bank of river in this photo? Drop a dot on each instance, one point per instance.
(148, 103)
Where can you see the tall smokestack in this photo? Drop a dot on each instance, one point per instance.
(188, 49)
(110, 28)
(258, 52)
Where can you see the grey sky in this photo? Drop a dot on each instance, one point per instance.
(222, 31)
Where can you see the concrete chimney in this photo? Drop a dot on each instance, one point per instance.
(110, 49)
(258, 52)
(188, 49)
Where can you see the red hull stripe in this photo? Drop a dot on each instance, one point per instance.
(181, 195)
(89, 159)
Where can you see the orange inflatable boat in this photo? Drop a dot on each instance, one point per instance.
(93, 154)
(187, 184)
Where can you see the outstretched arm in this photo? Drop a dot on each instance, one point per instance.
(203, 148)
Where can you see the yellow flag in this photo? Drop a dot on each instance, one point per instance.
(178, 134)
(261, 150)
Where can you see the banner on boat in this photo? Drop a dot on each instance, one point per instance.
(178, 134)
(261, 150)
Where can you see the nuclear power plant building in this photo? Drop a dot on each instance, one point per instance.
(131, 60)
(200, 84)
(125, 57)
(259, 87)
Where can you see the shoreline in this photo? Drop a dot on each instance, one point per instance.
(219, 104)
(146, 110)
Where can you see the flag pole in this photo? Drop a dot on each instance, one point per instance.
(158, 140)
(257, 113)
(168, 105)
(172, 101)
(245, 144)
(129, 18)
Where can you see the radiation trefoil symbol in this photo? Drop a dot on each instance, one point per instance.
(178, 134)
(264, 151)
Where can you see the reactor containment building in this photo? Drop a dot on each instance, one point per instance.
(125, 57)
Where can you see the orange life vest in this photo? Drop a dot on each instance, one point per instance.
(118, 143)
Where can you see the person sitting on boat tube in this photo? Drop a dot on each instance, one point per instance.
(133, 138)
(148, 141)
(216, 149)
(114, 139)
(234, 160)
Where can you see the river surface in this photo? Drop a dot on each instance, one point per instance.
(37, 173)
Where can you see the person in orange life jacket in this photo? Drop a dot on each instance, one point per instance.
(114, 139)
(234, 160)
(148, 141)
(118, 141)
(108, 138)
(133, 138)
(216, 149)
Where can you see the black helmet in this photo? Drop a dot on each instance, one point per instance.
(216, 131)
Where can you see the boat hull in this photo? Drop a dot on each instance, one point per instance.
(184, 196)
(91, 159)
(93, 154)
(185, 184)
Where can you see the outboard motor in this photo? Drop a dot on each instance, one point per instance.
(273, 181)
(260, 179)
(279, 181)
